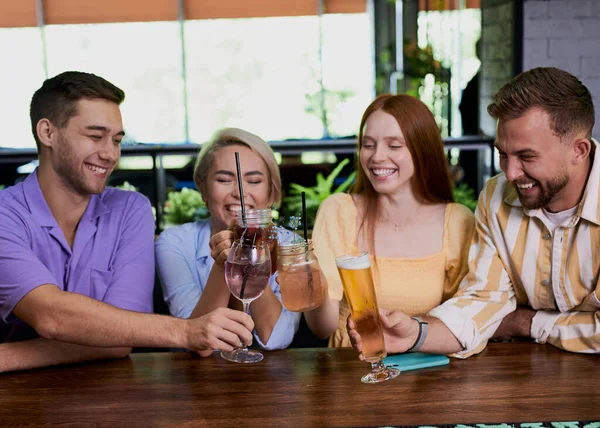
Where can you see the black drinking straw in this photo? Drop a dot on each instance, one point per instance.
(310, 277)
(245, 273)
(304, 219)
(240, 187)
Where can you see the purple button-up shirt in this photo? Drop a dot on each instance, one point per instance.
(112, 259)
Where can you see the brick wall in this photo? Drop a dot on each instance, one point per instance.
(565, 34)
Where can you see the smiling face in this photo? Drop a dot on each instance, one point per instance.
(535, 160)
(384, 156)
(87, 150)
(221, 193)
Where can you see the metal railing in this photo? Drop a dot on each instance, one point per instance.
(285, 148)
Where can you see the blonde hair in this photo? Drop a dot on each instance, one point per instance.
(235, 136)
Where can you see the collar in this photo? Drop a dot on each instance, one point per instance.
(588, 208)
(96, 207)
(36, 202)
(41, 212)
(203, 237)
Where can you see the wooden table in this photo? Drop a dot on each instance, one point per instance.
(512, 382)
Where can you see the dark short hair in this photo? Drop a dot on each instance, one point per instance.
(560, 94)
(57, 99)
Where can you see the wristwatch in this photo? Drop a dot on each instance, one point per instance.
(423, 329)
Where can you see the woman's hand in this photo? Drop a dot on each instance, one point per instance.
(220, 243)
(400, 332)
(354, 337)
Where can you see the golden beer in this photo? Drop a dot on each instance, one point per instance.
(355, 272)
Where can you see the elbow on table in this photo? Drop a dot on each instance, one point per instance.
(50, 329)
(47, 327)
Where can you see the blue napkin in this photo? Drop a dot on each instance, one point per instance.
(415, 360)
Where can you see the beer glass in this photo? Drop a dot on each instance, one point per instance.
(355, 272)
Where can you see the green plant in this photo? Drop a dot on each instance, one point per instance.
(420, 61)
(384, 70)
(126, 185)
(184, 206)
(322, 103)
(463, 194)
(316, 194)
(1, 186)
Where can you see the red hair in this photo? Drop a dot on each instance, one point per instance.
(431, 181)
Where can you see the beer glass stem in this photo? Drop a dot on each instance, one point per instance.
(377, 367)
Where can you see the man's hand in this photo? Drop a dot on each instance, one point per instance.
(220, 243)
(400, 332)
(515, 324)
(223, 329)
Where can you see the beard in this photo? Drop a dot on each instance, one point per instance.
(547, 191)
(67, 167)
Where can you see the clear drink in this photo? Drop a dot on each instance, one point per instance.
(257, 276)
(357, 280)
(247, 274)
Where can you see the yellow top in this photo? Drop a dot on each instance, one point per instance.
(412, 285)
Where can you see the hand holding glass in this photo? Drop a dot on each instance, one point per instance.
(247, 274)
(355, 272)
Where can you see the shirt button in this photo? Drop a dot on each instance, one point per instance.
(545, 282)
(547, 236)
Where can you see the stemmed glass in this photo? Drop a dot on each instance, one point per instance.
(357, 280)
(247, 273)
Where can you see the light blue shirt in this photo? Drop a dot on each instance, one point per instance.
(184, 262)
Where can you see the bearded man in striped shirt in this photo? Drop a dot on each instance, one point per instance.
(534, 262)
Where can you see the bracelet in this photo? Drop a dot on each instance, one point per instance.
(423, 330)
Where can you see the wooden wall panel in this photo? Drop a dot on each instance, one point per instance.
(447, 4)
(22, 13)
(94, 11)
(18, 13)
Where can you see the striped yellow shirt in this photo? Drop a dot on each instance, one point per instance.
(516, 259)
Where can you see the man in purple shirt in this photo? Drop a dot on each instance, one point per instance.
(77, 258)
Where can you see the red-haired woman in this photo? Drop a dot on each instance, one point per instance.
(401, 210)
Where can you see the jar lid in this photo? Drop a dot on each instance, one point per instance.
(262, 215)
(295, 247)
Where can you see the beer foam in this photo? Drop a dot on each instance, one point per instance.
(354, 261)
